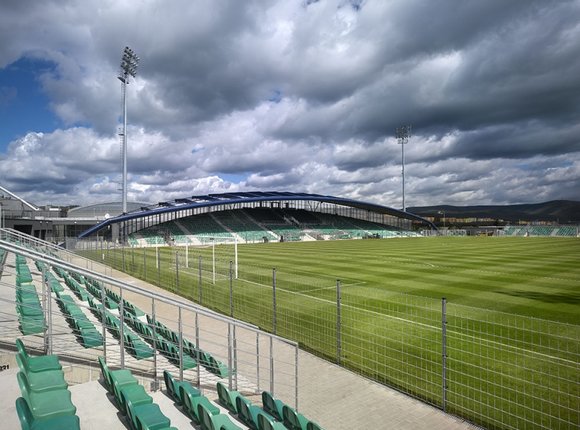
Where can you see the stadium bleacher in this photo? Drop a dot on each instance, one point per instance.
(75, 294)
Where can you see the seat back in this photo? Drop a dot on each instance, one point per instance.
(270, 405)
(24, 414)
(105, 372)
(23, 384)
(223, 395)
(21, 349)
(205, 418)
(243, 408)
(22, 363)
(169, 383)
(265, 423)
(312, 426)
(290, 418)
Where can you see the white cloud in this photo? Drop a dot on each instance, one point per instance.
(285, 95)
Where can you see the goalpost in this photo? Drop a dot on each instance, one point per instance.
(206, 241)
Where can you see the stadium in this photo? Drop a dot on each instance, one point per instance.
(241, 294)
(232, 247)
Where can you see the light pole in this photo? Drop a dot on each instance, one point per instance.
(129, 63)
(403, 134)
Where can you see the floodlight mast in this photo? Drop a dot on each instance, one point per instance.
(403, 134)
(129, 63)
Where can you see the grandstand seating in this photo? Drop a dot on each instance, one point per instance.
(45, 394)
(539, 230)
(29, 422)
(35, 410)
(132, 400)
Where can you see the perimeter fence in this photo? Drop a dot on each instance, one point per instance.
(497, 370)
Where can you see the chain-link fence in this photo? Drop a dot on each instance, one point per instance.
(498, 370)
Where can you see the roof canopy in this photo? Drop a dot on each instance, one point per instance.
(247, 197)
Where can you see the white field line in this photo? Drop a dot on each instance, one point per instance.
(430, 327)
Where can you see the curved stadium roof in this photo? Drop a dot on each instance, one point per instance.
(242, 197)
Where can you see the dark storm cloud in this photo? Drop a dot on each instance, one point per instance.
(306, 95)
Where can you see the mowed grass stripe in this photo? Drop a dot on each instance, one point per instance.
(505, 370)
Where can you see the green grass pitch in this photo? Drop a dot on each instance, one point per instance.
(513, 313)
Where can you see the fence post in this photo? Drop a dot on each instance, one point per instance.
(271, 365)
(258, 359)
(180, 327)
(229, 355)
(187, 256)
(198, 351)
(274, 322)
(158, 268)
(231, 290)
(154, 340)
(121, 328)
(338, 323)
(176, 271)
(444, 352)
(104, 318)
(199, 282)
(123, 256)
(144, 264)
(45, 310)
(296, 377)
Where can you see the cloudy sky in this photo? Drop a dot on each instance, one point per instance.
(292, 95)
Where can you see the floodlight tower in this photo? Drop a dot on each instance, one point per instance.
(403, 134)
(129, 63)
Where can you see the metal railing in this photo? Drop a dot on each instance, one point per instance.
(255, 360)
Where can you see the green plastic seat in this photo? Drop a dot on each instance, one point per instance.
(209, 421)
(266, 422)
(173, 355)
(249, 413)
(31, 325)
(147, 415)
(42, 381)
(116, 379)
(294, 420)
(90, 337)
(217, 367)
(273, 406)
(137, 347)
(37, 364)
(227, 398)
(191, 406)
(28, 422)
(135, 393)
(176, 388)
(48, 404)
(313, 426)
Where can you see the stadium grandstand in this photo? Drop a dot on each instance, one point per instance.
(249, 217)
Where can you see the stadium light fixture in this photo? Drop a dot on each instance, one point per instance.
(129, 63)
(403, 134)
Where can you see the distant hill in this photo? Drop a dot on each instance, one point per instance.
(562, 211)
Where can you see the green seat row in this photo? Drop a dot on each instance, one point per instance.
(46, 400)
(248, 413)
(291, 419)
(83, 328)
(30, 313)
(132, 399)
(132, 342)
(190, 350)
